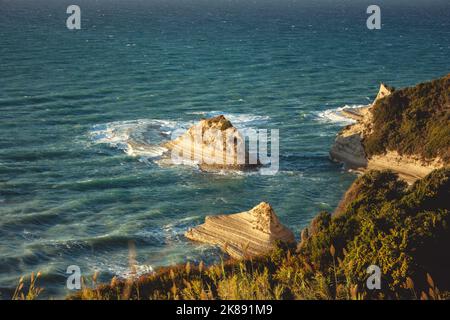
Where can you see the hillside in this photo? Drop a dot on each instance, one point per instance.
(403, 230)
(413, 121)
(406, 131)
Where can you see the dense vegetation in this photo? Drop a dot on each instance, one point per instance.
(413, 120)
(403, 230)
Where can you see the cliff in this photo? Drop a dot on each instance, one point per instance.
(405, 130)
(348, 147)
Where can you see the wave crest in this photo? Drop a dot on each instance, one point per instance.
(335, 115)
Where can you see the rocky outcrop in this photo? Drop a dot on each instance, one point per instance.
(213, 144)
(384, 91)
(243, 235)
(348, 147)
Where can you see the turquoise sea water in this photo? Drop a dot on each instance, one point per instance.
(70, 195)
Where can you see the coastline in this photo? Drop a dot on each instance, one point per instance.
(349, 148)
(387, 180)
(86, 179)
(330, 261)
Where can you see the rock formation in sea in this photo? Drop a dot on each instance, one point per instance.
(212, 144)
(349, 147)
(243, 235)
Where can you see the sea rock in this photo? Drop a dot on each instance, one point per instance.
(243, 235)
(212, 144)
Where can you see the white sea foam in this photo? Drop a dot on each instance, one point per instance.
(335, 115)
(142, 138)
(137, 271)
(119, 266)
(239, 120)
(138, 138)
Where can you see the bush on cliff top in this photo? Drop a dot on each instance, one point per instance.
(413, 120)
(380, 221)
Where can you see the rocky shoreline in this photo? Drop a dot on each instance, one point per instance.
(348, 147)
(254, 233)
(331, 258)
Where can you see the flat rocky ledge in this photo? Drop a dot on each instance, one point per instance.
(243, 235)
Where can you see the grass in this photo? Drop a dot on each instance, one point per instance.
(28, 291)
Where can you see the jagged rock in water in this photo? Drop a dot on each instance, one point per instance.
(213, 144)
(243, 235)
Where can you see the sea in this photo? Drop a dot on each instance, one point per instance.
(72, 193)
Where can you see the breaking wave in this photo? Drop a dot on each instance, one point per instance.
(138, 138)
(335, 115)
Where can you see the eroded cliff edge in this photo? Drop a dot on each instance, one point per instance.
(406, 130)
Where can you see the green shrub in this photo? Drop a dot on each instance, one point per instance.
(403, 231)
(413, 120)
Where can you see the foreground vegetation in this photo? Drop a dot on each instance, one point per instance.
(380, 221)
(413, 121)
